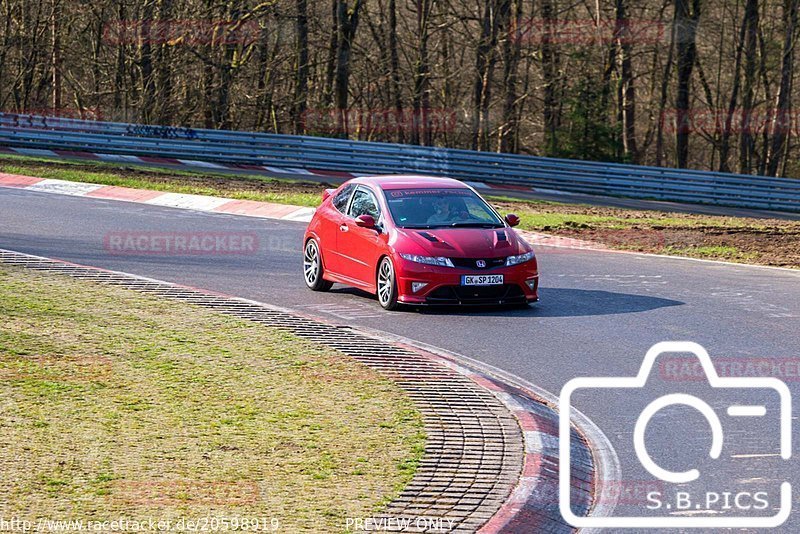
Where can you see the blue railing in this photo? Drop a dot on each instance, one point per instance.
(250, 148)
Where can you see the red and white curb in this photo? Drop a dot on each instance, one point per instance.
(250, 208)
(533, 505)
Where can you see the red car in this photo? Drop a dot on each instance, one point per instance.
(419, 241)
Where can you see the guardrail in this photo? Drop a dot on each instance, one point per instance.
(251, 148)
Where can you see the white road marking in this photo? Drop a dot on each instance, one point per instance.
(346, 311)
(35, 152)
(302, 215)
(119, 157)
(64, 187)
(180, 200)
(206, 164)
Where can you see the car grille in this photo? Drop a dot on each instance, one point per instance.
(499, 294)
(472, 263)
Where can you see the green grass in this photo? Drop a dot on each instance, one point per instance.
(724, 252)
(118, 404)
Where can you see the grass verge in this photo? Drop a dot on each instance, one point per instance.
(746, 240)
(119, 405)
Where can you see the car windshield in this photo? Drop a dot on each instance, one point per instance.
(440, 208)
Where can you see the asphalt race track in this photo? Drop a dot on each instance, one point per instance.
(599, 314)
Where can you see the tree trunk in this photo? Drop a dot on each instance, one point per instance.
(119, 72)
(686, 19)
(394, 68)
(55, 28)
(300, 102)
(163, 67)
(509, 133)
(724, 149)
(550, 72)
(347, 23)
(146, 62)
(746, 141)
(420, 121)
(333, 46)
(782, 123)
(496, 15)
(627, 90)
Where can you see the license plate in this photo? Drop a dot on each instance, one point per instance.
(482, 280)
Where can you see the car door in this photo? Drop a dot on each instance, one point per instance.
(359, 248)
(333, 217)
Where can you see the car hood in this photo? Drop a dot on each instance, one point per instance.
(466, 242)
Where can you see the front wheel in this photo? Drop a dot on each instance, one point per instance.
(312, 268)
(387, 285)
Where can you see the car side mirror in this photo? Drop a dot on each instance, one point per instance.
(366, 221)
(327, 193)
(512, 219)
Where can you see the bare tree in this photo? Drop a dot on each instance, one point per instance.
(782, 124)
(687, 15)
(300, 103)
(550, 61)
(347, 22)
(623, 37)
(746, 141)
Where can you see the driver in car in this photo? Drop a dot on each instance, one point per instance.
(447, 211)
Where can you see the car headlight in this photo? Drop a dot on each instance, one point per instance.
(428, 260)
(522, 258)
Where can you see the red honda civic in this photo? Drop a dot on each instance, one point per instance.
(419, 241)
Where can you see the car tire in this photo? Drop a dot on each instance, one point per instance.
(312, 268)
(386, 285)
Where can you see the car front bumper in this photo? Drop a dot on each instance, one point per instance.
(443, 285)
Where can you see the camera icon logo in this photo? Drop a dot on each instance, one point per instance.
(646, 461)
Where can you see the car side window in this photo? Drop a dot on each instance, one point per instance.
(342, 197)
(364, 203)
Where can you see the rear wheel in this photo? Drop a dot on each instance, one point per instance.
(312, 268)
(387, 285)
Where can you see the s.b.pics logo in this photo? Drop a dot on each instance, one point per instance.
(703, 443)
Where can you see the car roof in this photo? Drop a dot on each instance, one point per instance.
(405, 181)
